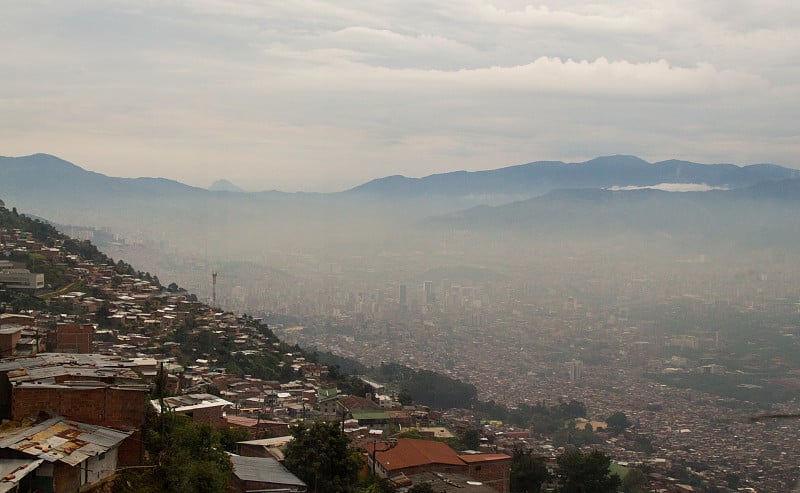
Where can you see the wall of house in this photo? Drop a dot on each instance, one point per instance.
(100, 467)
(209, 415)
(116, 408)
(496, 474)
(8, 342)
(74, 338)
(66, 478)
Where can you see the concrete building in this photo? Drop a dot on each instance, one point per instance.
(21, 279)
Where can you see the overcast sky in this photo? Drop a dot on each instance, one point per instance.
(317, 95)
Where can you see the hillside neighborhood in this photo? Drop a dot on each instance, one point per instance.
(91, 366)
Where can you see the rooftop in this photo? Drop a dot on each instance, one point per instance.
(263, 470)
(58, 439)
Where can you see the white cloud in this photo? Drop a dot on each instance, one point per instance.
(275, 89)
(671, 187)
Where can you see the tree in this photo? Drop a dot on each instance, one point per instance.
(319, 455)
(733, 480)
(586, 473)
(375, 484)
(421, 488)
(471, 439)
(528, 473)
(635, 481)
(617, 422)
(189, 457)
(404, 397)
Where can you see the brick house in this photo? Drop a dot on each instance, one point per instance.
(74, 338)
(410, 456)
(490, 469)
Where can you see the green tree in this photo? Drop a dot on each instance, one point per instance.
(404, 397)
(733, 481)
(471, 439)
(189, 458)
(586, 473)
(319, 455)
(421, 488)
(635, 481)
(375, 484)
(617, 422)
(528, 472)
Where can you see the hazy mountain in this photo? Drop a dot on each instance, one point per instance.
(536, 178)
(43, 173)
(246, 225)
(224, 185)
(764, 210)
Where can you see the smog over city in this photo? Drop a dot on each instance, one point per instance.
(548, 205)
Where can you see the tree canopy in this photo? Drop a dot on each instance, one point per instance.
(586, 473)
(617, 422)
(319, 456)
(528, 472)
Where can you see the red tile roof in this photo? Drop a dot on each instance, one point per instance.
(411, 452)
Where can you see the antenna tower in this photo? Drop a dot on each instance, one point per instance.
(214, 289)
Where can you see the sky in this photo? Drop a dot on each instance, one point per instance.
(321, 96)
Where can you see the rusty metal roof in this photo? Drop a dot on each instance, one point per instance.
(59, 439)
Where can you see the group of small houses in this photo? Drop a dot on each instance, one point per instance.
(73, 398)
(73, 416)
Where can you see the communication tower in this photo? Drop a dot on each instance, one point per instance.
(214, 289)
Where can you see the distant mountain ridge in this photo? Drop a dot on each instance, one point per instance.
(540, 177)
(45, 172)
(749, 212)
(224, 185)
(209, 220)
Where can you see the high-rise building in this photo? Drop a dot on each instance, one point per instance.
(403, 295)
(575, 368)
(428, 287)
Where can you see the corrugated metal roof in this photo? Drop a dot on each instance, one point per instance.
(189, 402)
(263, 470)
(58, 439)
(18, 468)
(270, 442)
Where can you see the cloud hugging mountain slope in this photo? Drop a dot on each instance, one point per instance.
(536, 178)
(760, 214)
(51, 187)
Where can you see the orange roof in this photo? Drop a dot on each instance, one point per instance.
(477, 458)
(411, 452)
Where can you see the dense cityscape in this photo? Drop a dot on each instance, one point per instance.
(706, 409)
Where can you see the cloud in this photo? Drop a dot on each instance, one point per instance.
(670, 187)
(286, 91)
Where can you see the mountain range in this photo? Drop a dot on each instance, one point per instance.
(603, 172)
(603, 195)
(44, 172)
